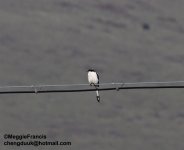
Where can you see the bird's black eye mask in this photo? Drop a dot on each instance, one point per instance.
(90, 70)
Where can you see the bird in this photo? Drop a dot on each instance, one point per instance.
(93, 79)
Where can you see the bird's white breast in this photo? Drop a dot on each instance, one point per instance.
(92, 77)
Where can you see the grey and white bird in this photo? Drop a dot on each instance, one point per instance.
(93, 79)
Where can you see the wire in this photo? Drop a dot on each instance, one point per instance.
(67, 85)
(86, 88)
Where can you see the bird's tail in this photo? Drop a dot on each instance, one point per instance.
(97, 96)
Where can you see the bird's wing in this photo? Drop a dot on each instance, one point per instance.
(97, 77)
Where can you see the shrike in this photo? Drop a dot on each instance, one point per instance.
(93, 79)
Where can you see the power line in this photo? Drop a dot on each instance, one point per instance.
(86, 88)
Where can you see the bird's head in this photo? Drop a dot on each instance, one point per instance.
(91, 70)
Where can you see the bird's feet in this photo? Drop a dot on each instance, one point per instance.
(91, 84)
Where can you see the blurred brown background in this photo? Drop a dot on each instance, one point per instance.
(56, 41)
